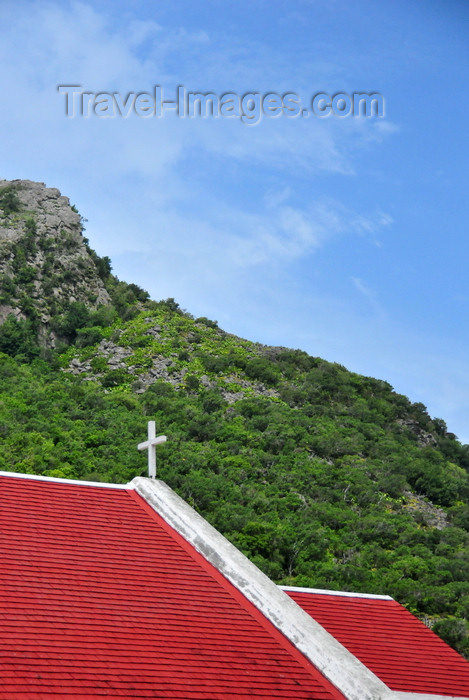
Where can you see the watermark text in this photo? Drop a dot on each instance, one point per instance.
(249, 107)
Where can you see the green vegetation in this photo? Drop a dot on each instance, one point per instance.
(313, 481)
(9, 201)
(323, 477)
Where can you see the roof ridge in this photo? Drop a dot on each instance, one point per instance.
(345, 594)
(70, 482)
(330, 657)
(237, 594)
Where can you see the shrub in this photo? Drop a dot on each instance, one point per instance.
(76, 317)
(99, 364)
(9, 200)
(30, 226)
(455, 632)
(115, 377)
(18, 338)
(88, 336)
(191, 382)
(261, 369)
(212, 401)
(207, 322)
(25, 274)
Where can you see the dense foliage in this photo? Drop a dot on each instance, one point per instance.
(324, 478)
(315, 483)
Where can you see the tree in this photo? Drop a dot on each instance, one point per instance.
(18, 338)
(9, 200)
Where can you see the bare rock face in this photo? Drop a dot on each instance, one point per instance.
(424, 438)
(430, 515)
(45, 263)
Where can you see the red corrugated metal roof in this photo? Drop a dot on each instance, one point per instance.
(393, 643)
(101, 597)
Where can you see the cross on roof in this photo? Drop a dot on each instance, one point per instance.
(150, 445)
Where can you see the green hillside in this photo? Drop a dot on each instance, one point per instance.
(323, 477)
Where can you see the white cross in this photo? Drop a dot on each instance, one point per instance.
(150, 445)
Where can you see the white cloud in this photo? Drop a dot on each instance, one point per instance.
(76, 44)
(138, 181)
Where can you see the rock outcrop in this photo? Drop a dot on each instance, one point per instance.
(45, 262)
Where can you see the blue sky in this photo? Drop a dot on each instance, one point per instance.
(345, 237)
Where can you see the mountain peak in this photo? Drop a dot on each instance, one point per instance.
(45, 262)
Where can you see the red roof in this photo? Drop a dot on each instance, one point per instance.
(388, 639)
(101, 597)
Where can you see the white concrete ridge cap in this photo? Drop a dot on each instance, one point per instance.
(334, 661)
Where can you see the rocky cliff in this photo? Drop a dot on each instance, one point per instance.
(45, 262)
